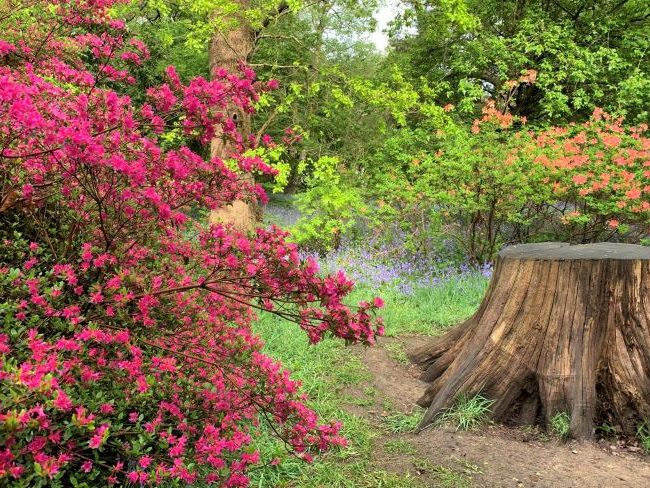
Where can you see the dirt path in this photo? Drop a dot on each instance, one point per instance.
(492, 457)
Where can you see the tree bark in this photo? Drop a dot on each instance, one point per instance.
(228, 49)
(561, 329)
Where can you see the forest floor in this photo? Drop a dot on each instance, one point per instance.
(493, 456)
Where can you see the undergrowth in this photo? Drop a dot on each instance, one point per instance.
(561, 425)
(643, 434)
(467, 413)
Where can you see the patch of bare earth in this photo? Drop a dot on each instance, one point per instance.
(494, 456)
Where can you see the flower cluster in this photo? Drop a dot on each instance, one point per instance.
(600, 171)
(126, 353)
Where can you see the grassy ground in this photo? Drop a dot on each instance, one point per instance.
(329, 371)
(430, 310)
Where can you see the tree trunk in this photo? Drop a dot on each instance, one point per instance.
(561, 329)
(228, 49)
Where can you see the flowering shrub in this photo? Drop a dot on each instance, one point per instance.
(500, 183)
(599, 173)
(468, 183)
(126, 353)
(481, 182)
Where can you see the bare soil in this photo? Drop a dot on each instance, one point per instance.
(494, 456)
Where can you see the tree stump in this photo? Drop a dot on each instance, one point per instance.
(562, 328)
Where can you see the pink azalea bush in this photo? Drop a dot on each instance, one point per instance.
(126, 353)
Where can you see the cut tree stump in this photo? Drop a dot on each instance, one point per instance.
(562, 328)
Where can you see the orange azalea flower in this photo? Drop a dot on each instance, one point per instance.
(627, 176)
(634, 193)
(611, 141)
(579, 179)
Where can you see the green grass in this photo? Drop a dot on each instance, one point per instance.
(399, 446)
(429, 310)
(365, 399)
(396, 351)
(449, 478)
(643, 434)
(561, 425)
(444, 477)
(607, 431)
(467, 413)
(324, 369)
(399, 423)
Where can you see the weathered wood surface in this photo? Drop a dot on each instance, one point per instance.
(561, 329)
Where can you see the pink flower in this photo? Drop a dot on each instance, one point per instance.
(106, 408)
(62, 401)
(6, 48)
(145, 461)
(611, 140)
(98, 439)
(4, 344)
(95, 442)
(82, 417)
(16, 471)
(633, 194)
(143, 386)
(87, 466)
(96, 297)
(114, 283)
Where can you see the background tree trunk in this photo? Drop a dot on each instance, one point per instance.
(228, 49)
(561, 329)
